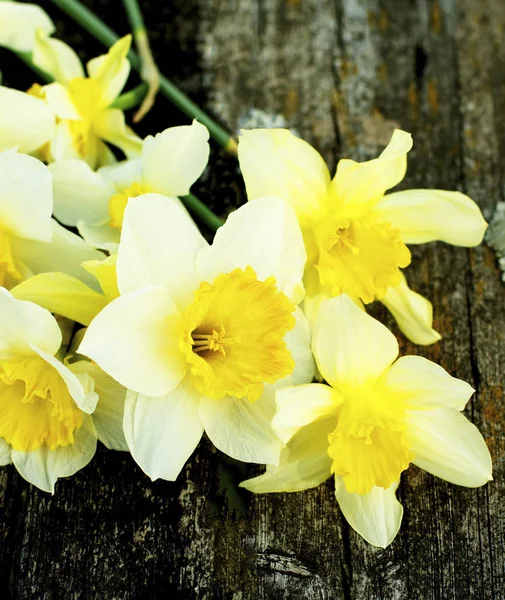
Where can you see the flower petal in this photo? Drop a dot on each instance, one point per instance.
(111, 70)
(175, 158)
(26, 122)
(65, 253)
(300, 405)
(412, 312)
(429, 215)
(241, 429)
(265, 235)
(5, 453)
(43, 467)
(56, 58)
(304, 462)
(357, 187)
(163, 432)
(351, 347)
(135, 340)
(158, 246)
(18, 24)
(376, 516)
(274, 162)
(63, 295)
(298, 343)
(109, 125)
(123, 174)
(109, 412)
(26, 197)
(80, 194)
(101, 236)
(447, 445)
(422, 384)
(23, 324)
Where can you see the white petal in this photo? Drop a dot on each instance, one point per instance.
(422, 384)
(26, 197)
(242, 429)
(43, 467)
(447, 445)
(357, 187)
(265, 235)
(23, 324)
(101, 236)
(304, 462)
(56, 58)
(163, 432)
(158, 247)
(109, 125)
(301, 405)
(5, 453)
(174, 159)
(351, 347)
(412, 312)
(80, 194)
(428, 215)
(26, 122)
(65, 253)
(59, 99)
(18, 24)
(135, 339)
(123, 174)
(276, 163)
(376, 516)
(109, 412)
(298, 343)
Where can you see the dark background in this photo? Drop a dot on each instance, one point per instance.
(343, 74)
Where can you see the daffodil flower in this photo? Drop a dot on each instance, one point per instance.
(376, 416)
(94, 202)
(202, 335)
(30, 240)
(355, 235)
(19, 22)
(26, 122)
(46, 427)
(82, 104)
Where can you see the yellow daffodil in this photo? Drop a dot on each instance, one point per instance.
(355, 235)
(26, 122)
(82, 104)
(45, 425)
(202, 335)
(376, 416)
(95, 202)
(19, 22)
(30, 241)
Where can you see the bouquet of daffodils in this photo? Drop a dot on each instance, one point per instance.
(260, 339)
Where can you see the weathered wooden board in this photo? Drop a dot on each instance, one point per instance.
(343, 73)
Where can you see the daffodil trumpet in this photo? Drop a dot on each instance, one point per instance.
(356, 234)
(376, 415)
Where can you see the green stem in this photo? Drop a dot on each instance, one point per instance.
(202, 212)
(130, 99)
(108, 37)
(134, 15)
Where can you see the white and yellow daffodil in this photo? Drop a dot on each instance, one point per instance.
(26, 122)
(82, 104)
(19, 22)
(46, 427)
(355, 235)
(30, 240)
(202, 335)
(376, 416)
(95, 202)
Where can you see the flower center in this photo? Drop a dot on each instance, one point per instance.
(360, 258)
(8, 271)
(36, 408)
(368, 446)
(233, 335)
(118, 202)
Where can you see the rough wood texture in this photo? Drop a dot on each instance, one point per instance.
(342, 73)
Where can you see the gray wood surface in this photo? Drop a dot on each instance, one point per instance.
(343, 73)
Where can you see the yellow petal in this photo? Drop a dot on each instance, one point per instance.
(356, 187)
(105, 272)
(62, 294)
(429, 215)
(111, 70)
(413, 313)
(109, 125)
